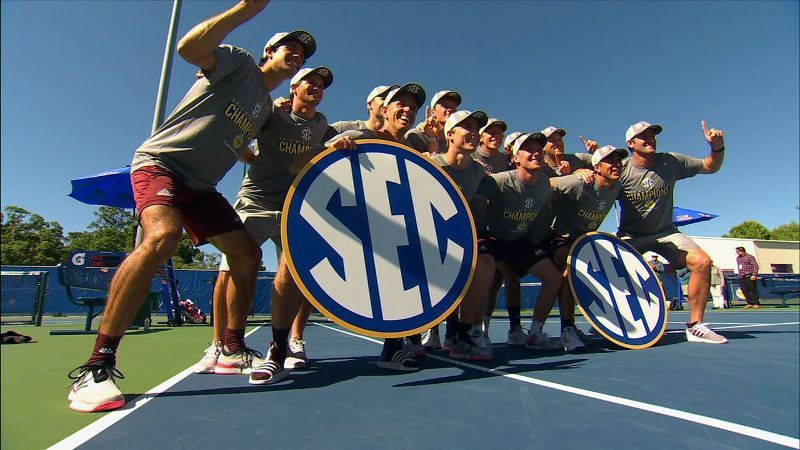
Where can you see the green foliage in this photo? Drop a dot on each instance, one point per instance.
(29, 240)
(111, 231)
(749, 229)
(786, 232)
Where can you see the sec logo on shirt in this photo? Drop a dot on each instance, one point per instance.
(617, 291)
(379, 239)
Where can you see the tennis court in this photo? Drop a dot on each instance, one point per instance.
(673, 395)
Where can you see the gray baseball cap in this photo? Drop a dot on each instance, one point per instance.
(303, 37)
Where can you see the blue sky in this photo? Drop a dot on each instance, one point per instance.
(79, 83)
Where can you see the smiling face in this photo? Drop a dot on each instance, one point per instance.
(443, 108)
(530, 155)
(287, 56)
(610, 167)
(492, 138)
(555, 145)
(400, 114)
(309, 90)
(464, 135)
(644, 143)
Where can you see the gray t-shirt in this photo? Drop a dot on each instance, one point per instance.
(202, 138)
(646, 196)
(346, 125)
(515, 206)
(496, 163)
(418, 141)
(467, 178)
(580, 208)
(286, 143)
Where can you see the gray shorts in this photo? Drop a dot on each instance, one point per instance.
(672, 245)
(262, 224)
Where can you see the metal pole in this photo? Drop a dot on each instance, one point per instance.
(169, 50)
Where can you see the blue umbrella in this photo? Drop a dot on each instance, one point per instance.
(108, 188)
(682, 216)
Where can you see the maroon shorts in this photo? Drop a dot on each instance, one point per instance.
(203, 213)
(520, 255)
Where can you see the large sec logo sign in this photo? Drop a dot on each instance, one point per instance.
(617, 291)
(379, 239)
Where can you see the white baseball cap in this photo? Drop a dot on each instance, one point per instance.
(638, 128)
(417, 91)
(510, 138)
(303, 37)
(324, 72)
(547, 132)
(380, 91)
(606, 150)
(439, 95)
(493, 121)
(460, 116)
(522, 138)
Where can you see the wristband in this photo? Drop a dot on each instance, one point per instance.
(719, 151)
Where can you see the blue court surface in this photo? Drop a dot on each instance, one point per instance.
(675, 395)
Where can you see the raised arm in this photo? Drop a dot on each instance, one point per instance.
(716, 139)
(199, 45)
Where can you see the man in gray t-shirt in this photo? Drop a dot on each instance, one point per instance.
(559, 163)
(581, 207)
(174, 174)
(284, 144)
(648, 183)
(375, 119)
(516, 200)
(428, 136)
(490, 154)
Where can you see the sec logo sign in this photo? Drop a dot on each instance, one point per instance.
(617, 291)
(379, 239)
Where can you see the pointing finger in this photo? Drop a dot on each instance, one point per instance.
(705, 127)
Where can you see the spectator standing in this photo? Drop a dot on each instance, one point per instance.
(747, 266)
(717, 284)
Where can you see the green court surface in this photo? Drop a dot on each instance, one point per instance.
(35, 384)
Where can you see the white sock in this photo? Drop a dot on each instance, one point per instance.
(486, 321)
(536, 327)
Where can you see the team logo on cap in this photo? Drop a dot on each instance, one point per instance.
(323, 72)
(617, 291)
(379, 239)
(413, 89)
(304, 38)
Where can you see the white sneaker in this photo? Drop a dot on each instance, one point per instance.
(517, 336)
(701, 333)
(242, 362)
(542, 341)
(571, 340)
(209, 360)
(586, 339)
(94, 389)
(431, 341)
(296, 356)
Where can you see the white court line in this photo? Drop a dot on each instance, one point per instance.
(756, 433)
(93, 429)
(749, 325)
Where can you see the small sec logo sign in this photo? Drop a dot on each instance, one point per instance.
(379, 239)
(617, 291)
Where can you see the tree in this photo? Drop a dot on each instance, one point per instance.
(786, 232)
(111, 231)
(749, 229)
(30, 240)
